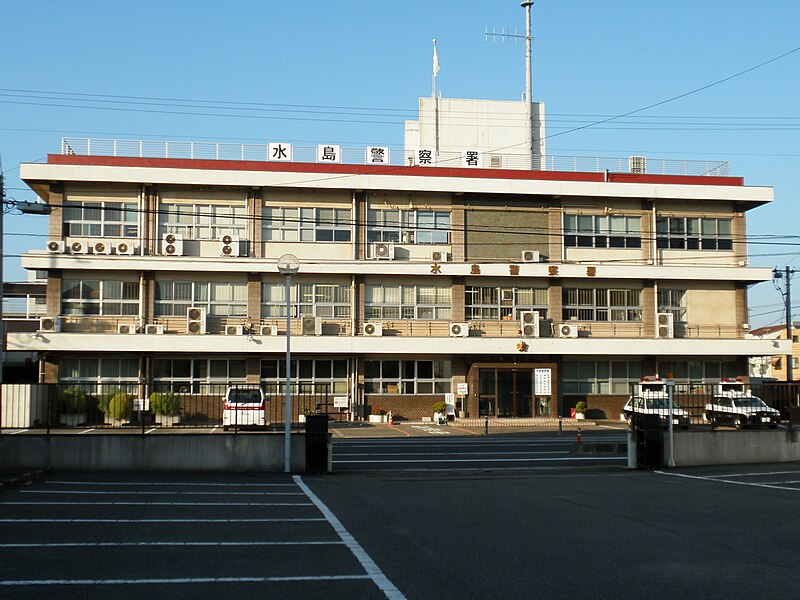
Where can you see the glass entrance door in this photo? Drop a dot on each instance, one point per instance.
(510, 390)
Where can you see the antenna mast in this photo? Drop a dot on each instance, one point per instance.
(528, 77)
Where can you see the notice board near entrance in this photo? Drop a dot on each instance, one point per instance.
(543, 382)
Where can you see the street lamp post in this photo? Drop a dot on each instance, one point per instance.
(288, 265)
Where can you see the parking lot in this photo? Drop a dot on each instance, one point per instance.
(549, 531)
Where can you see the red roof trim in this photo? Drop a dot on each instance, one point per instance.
(341, 169)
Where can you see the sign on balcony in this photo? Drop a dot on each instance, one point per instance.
(329, 153)
(280, 151)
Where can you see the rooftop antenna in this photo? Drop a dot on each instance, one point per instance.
(508, 36)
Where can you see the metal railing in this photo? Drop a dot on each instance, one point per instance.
(147, 407)
(308, 154)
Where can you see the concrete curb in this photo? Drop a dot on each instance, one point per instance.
(24, 479)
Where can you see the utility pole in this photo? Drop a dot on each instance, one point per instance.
(528, 78)
(787, 297)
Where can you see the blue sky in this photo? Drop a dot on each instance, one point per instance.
(350, 72)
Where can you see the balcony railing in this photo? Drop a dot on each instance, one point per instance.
(308, 154)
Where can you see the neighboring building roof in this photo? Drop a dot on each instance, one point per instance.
(769, 329)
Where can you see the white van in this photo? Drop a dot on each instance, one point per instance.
(244, 406)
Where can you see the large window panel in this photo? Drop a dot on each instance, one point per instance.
(424, 302)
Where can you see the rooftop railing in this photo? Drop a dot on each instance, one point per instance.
(355, 156)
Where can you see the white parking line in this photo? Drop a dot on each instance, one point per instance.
(297, 520)
(168, 483)
(759, 474)
(151, 430)
(718, 479)
(158, 493)
(373, 572)
(474, 460)
(185, 580)
(2, 503)
(374, 454)
(128, 544)
(85, 431)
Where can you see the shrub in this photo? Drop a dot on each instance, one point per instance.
(119, 405)
(581, 407)
(72, 400)
(439, 407)
(165, 403)
(378, 411)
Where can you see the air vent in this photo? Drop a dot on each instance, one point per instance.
(229, 246)
(172, 244)
(373, 329)
(126, 328)
(268, 330)
(495, 161)
(459, 329)
(125, 248)
(568, 330)
(529, 323)
(234, 330)
(312, 326)
(195, 320)
(50, 324)
(101, 247)
(154, 329)
(56, 247)
(530, 256)
(382, 251)
(666, 325)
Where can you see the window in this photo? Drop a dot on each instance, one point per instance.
(407, 377)
(408, 226)
(306, 224)
(698, 371)
(407, 302)
(693, 233)
(673, 301)
(203, 221)
(503, 303)
(600, 377)
(602, 231)
(101, 219)
(199, 375)
(223, 298)
(100, 375)
(330, 301)
(585, 304)
(319, 376)
(99, 297)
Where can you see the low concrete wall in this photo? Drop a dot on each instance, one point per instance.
(698, 448)
(130, 452)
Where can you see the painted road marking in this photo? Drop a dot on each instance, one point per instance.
(374, 454)
(157, 503)
(127, 544)
(474, 460)
(174, 483)
(159, 493)
(297, 520)
(373, 572)
(185, 580)
(85, 431)
(719, 479)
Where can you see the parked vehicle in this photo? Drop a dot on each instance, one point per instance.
(244, 406)
(741, 412)
(652, 398)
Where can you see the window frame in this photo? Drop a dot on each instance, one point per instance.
(508, 302)
(100, 297)
(597, 305)
(307, 224)
(203, 221)
(77, 223)
(410, 377)
(689, 233)
(415, 226)
(439, 309)
(203, 294)
(341, 309)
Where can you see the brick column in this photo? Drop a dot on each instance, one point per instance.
(254, 299)
(458, 228)
(53, 293)
(555, 302)
(649, 308)
(360, 239)
(458, 299)
(740, 308)
(149, 300)
(556, 229)
(153, 205)
(253, 366)
(739, 231)
(254, 212)
(50, 369)
(55, 224)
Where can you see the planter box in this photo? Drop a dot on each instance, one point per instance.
(377, 418)
(72, 419)
(580, 416)
(168, 420)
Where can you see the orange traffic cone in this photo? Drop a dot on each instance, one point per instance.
(390, 420)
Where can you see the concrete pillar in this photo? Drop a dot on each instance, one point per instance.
(254, 298)
(648, 308)
(55, 223)
(458, 299)
(458, 229)
(53, 292)
(254, 223)
(556, 230)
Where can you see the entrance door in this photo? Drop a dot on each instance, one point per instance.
(510, 390)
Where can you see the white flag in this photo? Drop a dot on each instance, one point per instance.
(435, 59)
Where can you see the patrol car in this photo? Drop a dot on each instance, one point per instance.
(651, 398)
(734, 404)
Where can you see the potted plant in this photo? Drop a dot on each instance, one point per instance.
(72, 403)
(378, 415)
(580, 410)
(167, 408)
(117, 406)
(439, 412)
(305, 411)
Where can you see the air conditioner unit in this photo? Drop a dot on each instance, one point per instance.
(154, 329)
(637, 164)
(56, 246)
(529, 323)
(126, 328)
(665, 325)
(459, 329)
(195, 320)
(382, 250)
(234, 330)
(312, 326)
(530, 256)
(172, 244)
(439, 256)
(229, 245)
(79, 247)
(568, 330)
(101, 247)
(268, 330)
(125, 248)
(375, 329)
(495, 161)
(50, 324)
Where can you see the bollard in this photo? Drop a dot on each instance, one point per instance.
(487, 425)
(560, 426)
(390, 418)
(580, 441)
